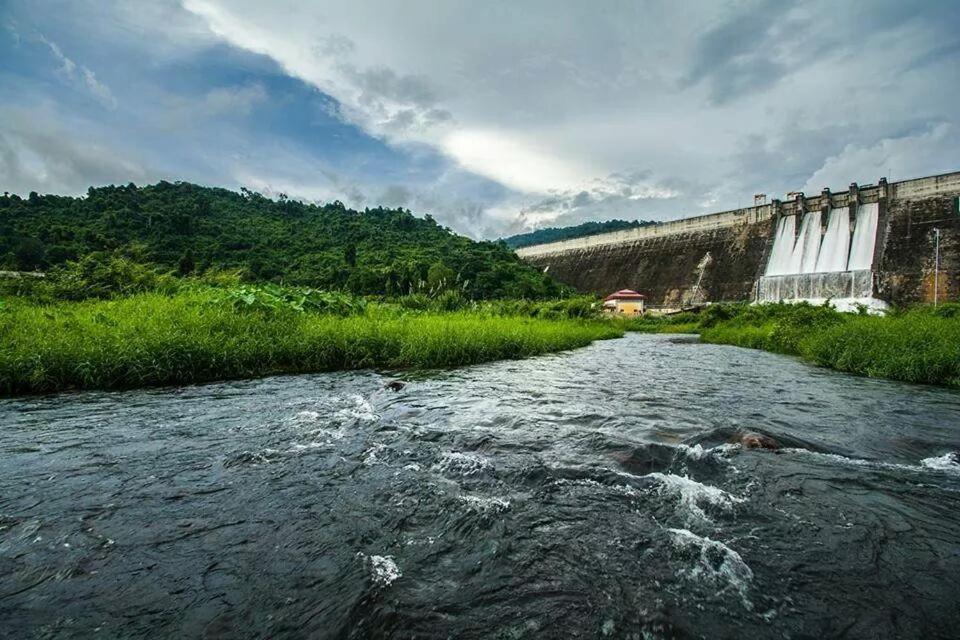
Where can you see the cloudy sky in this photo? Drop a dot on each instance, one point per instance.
(496, 117)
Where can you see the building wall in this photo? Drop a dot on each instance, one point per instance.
(720, 257)
(629, 308)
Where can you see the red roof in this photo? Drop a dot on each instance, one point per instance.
(625, 294)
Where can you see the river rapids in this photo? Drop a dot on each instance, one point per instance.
(595, 493)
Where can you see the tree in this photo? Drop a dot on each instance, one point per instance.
(30, 254)
(350, 255)
(320, 246)
(439, 276)
(187, 264)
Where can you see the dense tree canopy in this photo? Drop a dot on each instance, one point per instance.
(555, 234)
(188, 228)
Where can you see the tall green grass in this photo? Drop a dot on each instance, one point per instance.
(686, 322)
(194, 336)
(915, 345)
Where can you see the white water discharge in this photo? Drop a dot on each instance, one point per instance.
(836, 242)
(803, 259)
(864, 237)
(817, 269)
(779, 262)
(844, 289)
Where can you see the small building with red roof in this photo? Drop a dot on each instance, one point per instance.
(625, 302)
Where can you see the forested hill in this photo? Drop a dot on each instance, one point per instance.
(194, 229)
(555, 234)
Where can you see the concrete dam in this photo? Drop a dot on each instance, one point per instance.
(888, 243)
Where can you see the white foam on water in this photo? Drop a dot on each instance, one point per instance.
(698, 453)
(947, 462)
(383, 569)
(299, 447)
(482, 504)
(693, 495)
(320, 427)
(715, 563)
(358, 408)
(464, 464)
(371, 455)
(622, 489)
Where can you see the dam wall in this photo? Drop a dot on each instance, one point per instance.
(674, 264)
(868, 242)
(917, 212)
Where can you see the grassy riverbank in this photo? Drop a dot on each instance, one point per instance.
(920, 344)
(207, 334)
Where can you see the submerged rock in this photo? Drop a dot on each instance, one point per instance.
(758, 441)
(395, 385)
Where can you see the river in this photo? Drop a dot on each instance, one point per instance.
(592, 493)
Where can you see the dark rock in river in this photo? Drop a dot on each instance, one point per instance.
(395, 385)
(758, 441)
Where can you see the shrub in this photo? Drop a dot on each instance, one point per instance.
(272, 297)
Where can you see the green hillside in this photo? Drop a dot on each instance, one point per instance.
(193, 229)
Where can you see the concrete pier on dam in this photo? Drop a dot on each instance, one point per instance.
(885, 243)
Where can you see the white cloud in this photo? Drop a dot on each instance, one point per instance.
(550, 100)
(541, 113)
(510, 160)
(904, 157)
(39, 153)
(218, 102)
(82, 76)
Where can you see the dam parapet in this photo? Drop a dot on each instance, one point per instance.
(893, 242)
(697, 224)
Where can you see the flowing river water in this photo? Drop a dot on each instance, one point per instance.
(593, 493)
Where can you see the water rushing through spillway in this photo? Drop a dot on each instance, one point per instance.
(814, 250)
(596, 493)
(781, 254)
(807, 248)
(834, 250)
(819, 265)
(864, 237)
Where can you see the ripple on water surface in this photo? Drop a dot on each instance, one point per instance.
(597, 492)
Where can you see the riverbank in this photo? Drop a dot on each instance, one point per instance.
(153, 339)
(920, 344)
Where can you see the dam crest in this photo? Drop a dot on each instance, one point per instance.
(888, 243)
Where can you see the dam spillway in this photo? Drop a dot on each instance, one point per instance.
(820, 264)
(864, 237)
(871, 243)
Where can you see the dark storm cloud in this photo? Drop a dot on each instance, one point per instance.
(738, 55)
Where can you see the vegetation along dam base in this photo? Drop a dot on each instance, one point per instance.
(889, 243)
